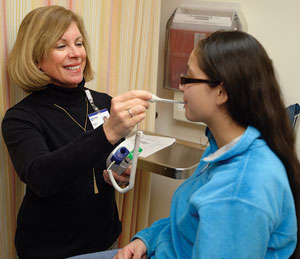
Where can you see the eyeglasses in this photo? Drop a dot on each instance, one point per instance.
(188, 80)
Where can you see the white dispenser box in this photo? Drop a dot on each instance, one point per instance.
(190, 23)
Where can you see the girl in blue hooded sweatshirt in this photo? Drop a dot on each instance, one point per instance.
(243, 199)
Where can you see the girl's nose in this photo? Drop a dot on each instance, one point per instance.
(181, 87)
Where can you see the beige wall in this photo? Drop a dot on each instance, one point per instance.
(275, 23)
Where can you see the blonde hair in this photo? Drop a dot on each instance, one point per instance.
(38, 33)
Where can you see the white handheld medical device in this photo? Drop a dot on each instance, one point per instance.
(121, 157)
(118, 160)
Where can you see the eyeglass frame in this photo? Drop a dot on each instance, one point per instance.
(189, 80)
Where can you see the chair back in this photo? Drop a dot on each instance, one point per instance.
(293, 113)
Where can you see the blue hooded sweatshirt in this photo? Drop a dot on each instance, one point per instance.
(238, 204)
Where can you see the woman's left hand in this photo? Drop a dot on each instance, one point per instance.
(122, 179)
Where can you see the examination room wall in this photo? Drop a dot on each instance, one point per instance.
(275, 23)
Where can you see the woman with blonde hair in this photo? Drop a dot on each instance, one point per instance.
(56, 147)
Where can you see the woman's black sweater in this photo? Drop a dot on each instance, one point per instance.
(60, 215)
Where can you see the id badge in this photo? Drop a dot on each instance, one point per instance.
(97, 118)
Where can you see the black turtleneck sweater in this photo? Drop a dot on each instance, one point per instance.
(60, 215)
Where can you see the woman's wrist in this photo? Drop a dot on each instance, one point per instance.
(110, 134)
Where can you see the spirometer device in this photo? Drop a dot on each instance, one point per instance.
(125, 155)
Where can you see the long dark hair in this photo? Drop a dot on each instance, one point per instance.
(254, 97)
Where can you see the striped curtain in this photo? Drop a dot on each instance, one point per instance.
(124, 43)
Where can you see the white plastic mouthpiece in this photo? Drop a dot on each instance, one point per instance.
(158, 99)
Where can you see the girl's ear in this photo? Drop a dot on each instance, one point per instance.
(222, 96)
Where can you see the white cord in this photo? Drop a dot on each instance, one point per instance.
(133, 168)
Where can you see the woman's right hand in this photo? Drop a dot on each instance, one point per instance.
(135, 250)
(126, 111)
